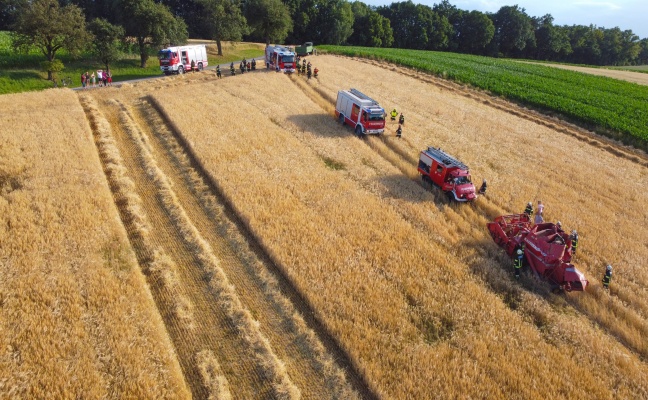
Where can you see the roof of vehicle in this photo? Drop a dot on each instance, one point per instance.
(444, 158)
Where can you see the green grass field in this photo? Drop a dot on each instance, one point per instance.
(612, 107)
(22, 73)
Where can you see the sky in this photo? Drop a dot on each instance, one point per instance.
(626, 14)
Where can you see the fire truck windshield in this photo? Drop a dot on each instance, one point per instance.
(376, 117)
(288, 59)
(165, 55)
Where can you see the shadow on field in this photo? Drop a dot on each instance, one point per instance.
(401, 187)
(21, 75)
(320, 124)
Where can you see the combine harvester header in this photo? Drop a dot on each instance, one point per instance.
(547, 249)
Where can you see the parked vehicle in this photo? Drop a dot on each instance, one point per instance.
(360, 111)
(305, 49)
(547, 249)
(451, 175)
(280, 58)
(179, 59)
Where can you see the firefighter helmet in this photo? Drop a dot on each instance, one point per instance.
(559, 225)
(529, 204)
(520, 252)
(574, 232)
(608, 268)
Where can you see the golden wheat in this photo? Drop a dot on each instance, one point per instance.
(77, 318)
(249, 328)
(346, 239)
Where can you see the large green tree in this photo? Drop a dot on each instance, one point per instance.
(370, 28)
(151, 25)
(223, 20)
(107, 40)
(474, 32)
(49, 27)
(513, 30)
(269, 19)
(552, 42)
(417, 26)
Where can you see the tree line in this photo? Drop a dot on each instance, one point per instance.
(510, 32)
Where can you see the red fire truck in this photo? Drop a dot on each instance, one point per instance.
(445, 171)
(360, 111)
(177, 60)
(280, 59)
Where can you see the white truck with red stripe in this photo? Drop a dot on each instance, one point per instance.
(280, 58)
(360, 111)
(179, 59)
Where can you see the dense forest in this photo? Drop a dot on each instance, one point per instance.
(509, 32)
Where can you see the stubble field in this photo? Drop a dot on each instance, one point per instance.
(287, 258)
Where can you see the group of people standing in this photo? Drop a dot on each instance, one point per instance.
(102, 78)
(306, 68)
(401, 122)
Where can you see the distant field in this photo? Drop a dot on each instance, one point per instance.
(22, 73)
(636, 68)
(618, 107)
(622, 73)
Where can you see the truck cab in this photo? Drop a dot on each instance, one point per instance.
(360, 111)
(451, 175)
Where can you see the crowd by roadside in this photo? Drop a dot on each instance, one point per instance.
(100, 79)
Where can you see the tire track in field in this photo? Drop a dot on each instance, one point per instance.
(213, 332)
(310, 355)
(613, 321)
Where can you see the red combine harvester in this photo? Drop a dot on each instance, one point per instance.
(547, 249)
(448, 173)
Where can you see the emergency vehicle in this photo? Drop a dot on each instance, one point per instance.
(448, 173)
(280, 58)
(360, 111)
(177, 60)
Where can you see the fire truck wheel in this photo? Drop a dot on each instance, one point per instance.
(341, 119)
(200, 67)
(358, 130)
(180, 70)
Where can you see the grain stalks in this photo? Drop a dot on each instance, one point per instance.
(273, 367)
(160, 268)
(325, 363)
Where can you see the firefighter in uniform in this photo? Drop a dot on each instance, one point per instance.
(232, 70)
(574, 241)
(394, 114)
(298, 67)
(401, 119)
(399, 131)
(304, 67)
(218, 71)
(482, 189)
(607, 277)
(517, 262)
(253, 64)
(529, 209)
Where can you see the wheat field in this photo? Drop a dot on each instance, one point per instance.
(406, 280)
(76, 316)
(280, 256)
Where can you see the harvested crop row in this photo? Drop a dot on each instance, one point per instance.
(76, 317)
(213, 330)
(312, 367)
(622, 319)
(272, 367)
(483, 259)
(402, 306)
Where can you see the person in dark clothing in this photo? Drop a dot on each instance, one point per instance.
(529, 209)
(401, 119)
(607, 278)
(399, 131)
(218, 71)
(574, 241)
(482, 189)
(253, 64)
(232, 70)
(517, 262)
